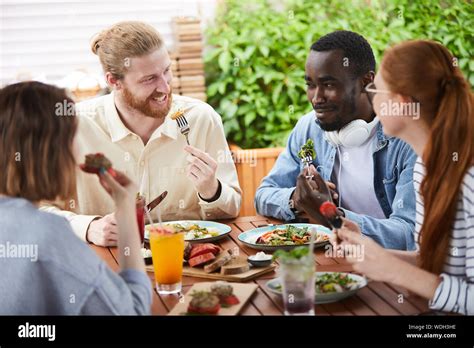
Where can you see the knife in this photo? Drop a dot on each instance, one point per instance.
(150, 206)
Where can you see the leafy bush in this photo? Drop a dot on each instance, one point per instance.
(255, 66)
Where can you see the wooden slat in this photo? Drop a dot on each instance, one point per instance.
(269, 162)
(391, 297)
(189, 37)
(106, 255)
(187, 29)
(175, 83)
(192, 89)
(194, 54)
(200, 96)
(376, 303)
(244, 248)
(252, 166)
(356, 306)
(190, 64)
(186, 20)
(415, 300)
(264, 304)
(247, 196)
(189, 46)
(322, 260)
(258, 174)
(336, 308)
(192, 80)
(189, 68)
(171, 300)
(189, 72)
(251, 219)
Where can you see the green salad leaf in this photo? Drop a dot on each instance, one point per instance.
(307, 150)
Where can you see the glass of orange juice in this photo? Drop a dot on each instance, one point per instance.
(167, 249)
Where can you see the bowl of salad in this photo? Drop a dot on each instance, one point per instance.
(329, 286)
(286, 237)
(196, 230)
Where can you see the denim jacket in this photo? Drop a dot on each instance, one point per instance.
(393, 183)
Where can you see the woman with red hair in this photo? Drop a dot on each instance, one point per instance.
(421, 96)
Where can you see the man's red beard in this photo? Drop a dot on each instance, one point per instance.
(144, 106)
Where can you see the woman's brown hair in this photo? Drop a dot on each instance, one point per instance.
(37, 128)
(426, 71)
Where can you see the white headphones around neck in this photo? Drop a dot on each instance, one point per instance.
(353, 134)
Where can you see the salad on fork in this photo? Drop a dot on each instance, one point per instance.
(307, 155)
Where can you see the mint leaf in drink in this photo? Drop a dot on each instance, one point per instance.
(294, 254)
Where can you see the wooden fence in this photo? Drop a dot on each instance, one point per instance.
(186, 59)
(252, 166)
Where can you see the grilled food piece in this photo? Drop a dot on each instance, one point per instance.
(203, 248)
(177, 114)
(225, 292)
(201, 259)
(93, 163)
(204, 302)
(187, 250)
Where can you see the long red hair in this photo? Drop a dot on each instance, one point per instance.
(426, 71)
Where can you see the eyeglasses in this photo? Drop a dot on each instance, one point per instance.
(371, 89)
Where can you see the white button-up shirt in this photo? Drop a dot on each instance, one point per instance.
(157, 166)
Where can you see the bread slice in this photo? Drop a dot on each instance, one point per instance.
(222, 259)
(236, 266)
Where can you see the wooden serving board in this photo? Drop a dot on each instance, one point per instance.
(242, 291)
(198, 272)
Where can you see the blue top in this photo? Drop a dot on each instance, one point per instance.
(47, 270)
(393, 183)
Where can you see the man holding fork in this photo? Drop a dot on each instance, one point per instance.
(133, 127)
(370, 171)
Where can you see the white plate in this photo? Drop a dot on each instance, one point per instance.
(222, 229)
(250, 237)
(275, 287)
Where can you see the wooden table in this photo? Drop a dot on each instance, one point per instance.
(376, 299)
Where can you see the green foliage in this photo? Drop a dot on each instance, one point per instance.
(255, 68)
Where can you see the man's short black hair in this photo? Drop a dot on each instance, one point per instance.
(355, 48)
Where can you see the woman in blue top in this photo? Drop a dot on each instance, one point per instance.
(46, 269)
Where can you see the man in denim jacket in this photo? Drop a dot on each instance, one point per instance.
(374, 180)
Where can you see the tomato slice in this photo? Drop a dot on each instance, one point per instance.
(229, 300)
(209, 311)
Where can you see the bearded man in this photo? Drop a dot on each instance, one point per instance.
(133, 127)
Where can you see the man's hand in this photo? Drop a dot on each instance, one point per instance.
(202, 172)
(311, 193)
(103, 231)
(332, 189)
(297, 193)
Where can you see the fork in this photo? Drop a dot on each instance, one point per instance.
(306, 161)
(182, 121)
(183, 126)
